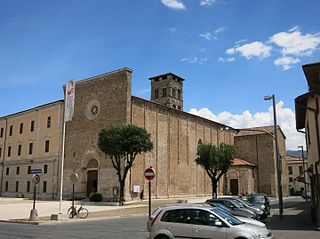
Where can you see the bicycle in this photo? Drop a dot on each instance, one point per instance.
(81, 212)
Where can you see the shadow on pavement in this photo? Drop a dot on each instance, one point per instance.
(296, 217)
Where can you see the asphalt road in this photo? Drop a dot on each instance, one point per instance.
(295, 224)
(112, 228)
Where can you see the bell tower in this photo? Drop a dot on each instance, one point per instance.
(167, 90)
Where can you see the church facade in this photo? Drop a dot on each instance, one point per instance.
(106, 100)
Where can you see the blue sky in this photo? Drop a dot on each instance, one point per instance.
(232, 53)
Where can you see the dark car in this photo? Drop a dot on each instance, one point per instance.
(246, 204)
(261, 212)
(234, 206)
(306, 195)
(260, 200)
(228, 210)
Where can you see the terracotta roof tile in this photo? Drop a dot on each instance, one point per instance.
(241, 162)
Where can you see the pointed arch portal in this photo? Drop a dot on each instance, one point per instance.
(92, 177)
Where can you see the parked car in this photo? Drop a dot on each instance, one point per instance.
(191, 221)
(234, 205)
(260, 200)
(237, 213)
(306, 194)
(246, 219)
(246, 204)
(261, 212)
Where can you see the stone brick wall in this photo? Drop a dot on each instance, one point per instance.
(171, 83)
(175, 135)
(259, 149)
(111, 94)
(244, 175)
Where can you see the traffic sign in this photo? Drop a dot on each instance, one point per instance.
(35, 170)
(36, 179)
(149, 173)
(74, 177)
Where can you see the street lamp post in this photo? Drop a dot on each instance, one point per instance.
(304, 171)
(277, 155)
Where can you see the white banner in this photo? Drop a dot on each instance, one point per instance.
(69, 100)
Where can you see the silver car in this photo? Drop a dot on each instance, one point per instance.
(191, 221)
(241, 218)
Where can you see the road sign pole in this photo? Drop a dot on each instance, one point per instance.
(34, 196)
(72, 200)
(149, 174)
(149, 198)
(34, 213)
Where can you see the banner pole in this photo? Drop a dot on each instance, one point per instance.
(68, 113)
(62, 166)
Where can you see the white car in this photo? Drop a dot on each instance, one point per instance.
(192, 221)
(251, 221)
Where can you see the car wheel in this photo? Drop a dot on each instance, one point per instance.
(162, 237)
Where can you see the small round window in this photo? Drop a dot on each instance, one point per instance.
(92, 109)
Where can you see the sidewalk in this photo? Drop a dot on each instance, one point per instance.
(296, 223)
(18, 209)
(15, 210)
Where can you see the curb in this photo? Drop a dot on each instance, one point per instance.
(21, 221)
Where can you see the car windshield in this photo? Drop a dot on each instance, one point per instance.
(222, 207)
(256, 199)
(238, 204)
(227, 217)
(246, 203)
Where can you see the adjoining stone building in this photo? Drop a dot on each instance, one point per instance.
(256, 147)
(297, 181)
(31, 139)
(307, 118)
(106, 100)
(240, 178)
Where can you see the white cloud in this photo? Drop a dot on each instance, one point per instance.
(231, 51)
(174, 4)
(286, 62)
(285, 118)
(208, 36)
(195, 60)
(207, 2)
(228, 59)
(295, 43)
(219, 29)
(288, 47)
(212, 35)
(293, 29)
(241, 41)
(254, 49)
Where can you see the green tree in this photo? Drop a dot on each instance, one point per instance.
(122, 144)
(216, 161)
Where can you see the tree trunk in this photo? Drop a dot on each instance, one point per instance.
(121, 196)
(214, 188)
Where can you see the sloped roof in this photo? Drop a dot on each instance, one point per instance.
(166, 74)
(241, 162)
(312, 74)
(259, 130)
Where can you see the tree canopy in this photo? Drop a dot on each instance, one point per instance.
(215, 160)
(122, 144)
